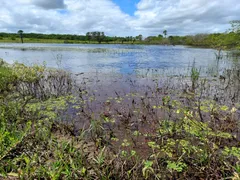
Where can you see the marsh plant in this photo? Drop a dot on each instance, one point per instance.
(195, 73)
(54, 128)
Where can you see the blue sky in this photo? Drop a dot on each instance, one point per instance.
(127, 6)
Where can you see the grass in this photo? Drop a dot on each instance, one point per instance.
(60, 41)
(54, 128)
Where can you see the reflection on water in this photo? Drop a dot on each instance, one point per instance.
(123, 59)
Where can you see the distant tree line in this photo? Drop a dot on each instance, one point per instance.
(229, 39)
(90, 37)
(217, 40)
(45, 36)
(95, 36)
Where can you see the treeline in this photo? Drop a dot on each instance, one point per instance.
(217, 40)
(227, 40)
(90, 37)
(45, 36)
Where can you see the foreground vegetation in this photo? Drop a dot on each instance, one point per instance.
(54, 128)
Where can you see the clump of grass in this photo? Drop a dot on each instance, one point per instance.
(195, 74)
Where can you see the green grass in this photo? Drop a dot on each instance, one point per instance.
(58, 41)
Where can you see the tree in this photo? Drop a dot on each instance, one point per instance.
(88, 35)
(165, 33)
(100, 37)
(139, 37)
(130, 38)
(96, 35)
(171, 39)
(20, 32)
(133, 40)
(122, 39)
(235, 26)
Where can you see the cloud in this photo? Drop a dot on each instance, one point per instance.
(50, 4)
(178, 17)
(186, 16)
(95, 15)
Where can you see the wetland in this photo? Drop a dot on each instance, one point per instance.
(118, 112)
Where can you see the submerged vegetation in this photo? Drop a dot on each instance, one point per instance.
(54, 125)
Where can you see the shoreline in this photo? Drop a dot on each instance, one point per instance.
(119, 43)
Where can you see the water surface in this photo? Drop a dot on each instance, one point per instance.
(123, 59)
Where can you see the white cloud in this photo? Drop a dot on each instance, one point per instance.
(186, 16)
(179, 17)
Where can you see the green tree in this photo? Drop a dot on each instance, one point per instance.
(235, 26)
(100, 37)
(20, 32)
(139, 37)
(171, 40)
(165, 33)
(96, 35)
(88, 36)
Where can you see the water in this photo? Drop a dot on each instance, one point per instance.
(110, 91)
(123, 59)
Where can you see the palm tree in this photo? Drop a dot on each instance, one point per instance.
(20, 32)
(165, 33)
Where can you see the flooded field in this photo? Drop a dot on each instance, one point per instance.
(123, 59)
(125, 82)
(170, 108)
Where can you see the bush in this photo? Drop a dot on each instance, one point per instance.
(7, 78)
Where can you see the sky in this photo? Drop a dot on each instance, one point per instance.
(118, 17)
(127, 6)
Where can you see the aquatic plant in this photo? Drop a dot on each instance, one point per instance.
(54, 128)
